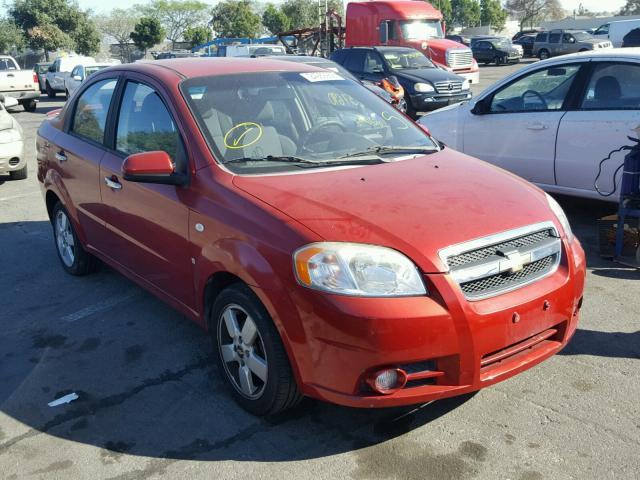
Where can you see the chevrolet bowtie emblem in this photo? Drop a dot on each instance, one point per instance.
(516, 260)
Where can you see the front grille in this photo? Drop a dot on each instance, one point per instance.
(448, 87)
(504, 281)
(14, 161)
(482, 253)
(504, 262)
(459, 58)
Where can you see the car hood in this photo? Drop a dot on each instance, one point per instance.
(416, 206)
(421, 74)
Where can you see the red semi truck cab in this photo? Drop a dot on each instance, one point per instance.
(409, 23)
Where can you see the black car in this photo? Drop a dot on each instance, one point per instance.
(631, 39)
(495, 50)
(532, 31)
(526, 42)
(426, 86)
(466, 41)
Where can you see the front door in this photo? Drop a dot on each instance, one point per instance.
(148, 223)
(608, 114)
(519, 131)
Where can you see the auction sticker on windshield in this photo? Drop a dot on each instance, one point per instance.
(243, 135)
(321, 76)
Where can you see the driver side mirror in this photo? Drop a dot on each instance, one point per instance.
(151, 167)
(482, 107)
(77, 78)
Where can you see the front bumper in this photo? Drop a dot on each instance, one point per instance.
(9, 152)
(463, 346)
(427, 102)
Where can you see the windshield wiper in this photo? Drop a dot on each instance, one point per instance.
(306, 163)
(381, 149)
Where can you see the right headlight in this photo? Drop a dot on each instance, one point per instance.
(562, 217)
(424, 88)
(10, 135)
(357, 269)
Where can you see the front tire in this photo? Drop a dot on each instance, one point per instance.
(19, 174)
(74, 258)
(250, 353)
(543, 54)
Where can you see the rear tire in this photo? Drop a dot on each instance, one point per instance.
(51, 93)
(544, 54)
(19, 174)
(74, 258)
(29, 106)
(273, 388)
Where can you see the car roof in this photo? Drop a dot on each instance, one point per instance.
(300, 58)
(215, 66)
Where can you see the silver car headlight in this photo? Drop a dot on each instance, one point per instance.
(357, 269)
(10, 135)
(561, 216)
(424, 88)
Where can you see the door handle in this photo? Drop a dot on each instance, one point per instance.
(112, 183)
(537, 126)
(61, 157)
(10, 75)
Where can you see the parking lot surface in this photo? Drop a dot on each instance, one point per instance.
(152, 405)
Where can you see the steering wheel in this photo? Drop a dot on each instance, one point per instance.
(535, 94)
(313, 131)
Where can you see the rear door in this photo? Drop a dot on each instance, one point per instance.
(77, 154)
(519, 132)
(373, 70)
(147, 224)
(608, 112)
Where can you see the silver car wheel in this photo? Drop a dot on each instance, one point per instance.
(242, 351)
(64, 239)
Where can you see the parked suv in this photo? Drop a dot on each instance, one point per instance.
(426, 86)
(561, 42)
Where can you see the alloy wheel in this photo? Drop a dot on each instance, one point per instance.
(242, 352)
(64, 239)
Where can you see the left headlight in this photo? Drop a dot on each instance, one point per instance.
(357, 269)
(424, 88)
(562, 217)
(10, 135)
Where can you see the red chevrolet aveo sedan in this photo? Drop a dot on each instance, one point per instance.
(331, 247)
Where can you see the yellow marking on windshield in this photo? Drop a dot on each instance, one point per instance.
(388, 117)
(235, 137)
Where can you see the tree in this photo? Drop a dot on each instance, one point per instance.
(466, 12)
(531, 12)
(631, 8)
(275, 20)
(147, 33)
(445, 7)
(235, 18)
(304, 13)
(87, 38)
(492, 14)
(53, 24)
(10, 36)
(118, 25)
(197, 35)
(176, 16)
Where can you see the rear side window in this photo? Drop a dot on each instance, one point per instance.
(90, 116)
(7, 64)
(554, 38)
(541, 37)
(355, 60)
(613, 87)
(145, 124)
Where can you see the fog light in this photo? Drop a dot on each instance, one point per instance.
(388, 380)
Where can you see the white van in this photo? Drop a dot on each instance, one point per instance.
(252, 50)
(615, 31)
(60, 70)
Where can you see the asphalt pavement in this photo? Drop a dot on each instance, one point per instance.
(152, 405)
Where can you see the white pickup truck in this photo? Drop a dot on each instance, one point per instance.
(60, 70)
(19, 84)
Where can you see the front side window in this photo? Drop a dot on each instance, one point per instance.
(613, 87)
(145, 124)
(373, 63)
(543, 90)
(421, 29)
(288, 121)
(90, 116)
(568, 38)
(406, 59)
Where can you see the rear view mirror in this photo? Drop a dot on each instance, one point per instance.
(151, 167)
(384, 32)
(557, 72)
(77, 78)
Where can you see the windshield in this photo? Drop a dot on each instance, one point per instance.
(284, 121)
(421, 29)
(266, 50)
(582, 36)
(406, 59)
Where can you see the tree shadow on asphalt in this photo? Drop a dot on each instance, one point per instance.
(604, 344)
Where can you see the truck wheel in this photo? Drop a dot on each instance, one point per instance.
(250, 353)
(498, 61)
(51, 93)
(29, 105)
(543, 54)
(75, 259)
(19, 174)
